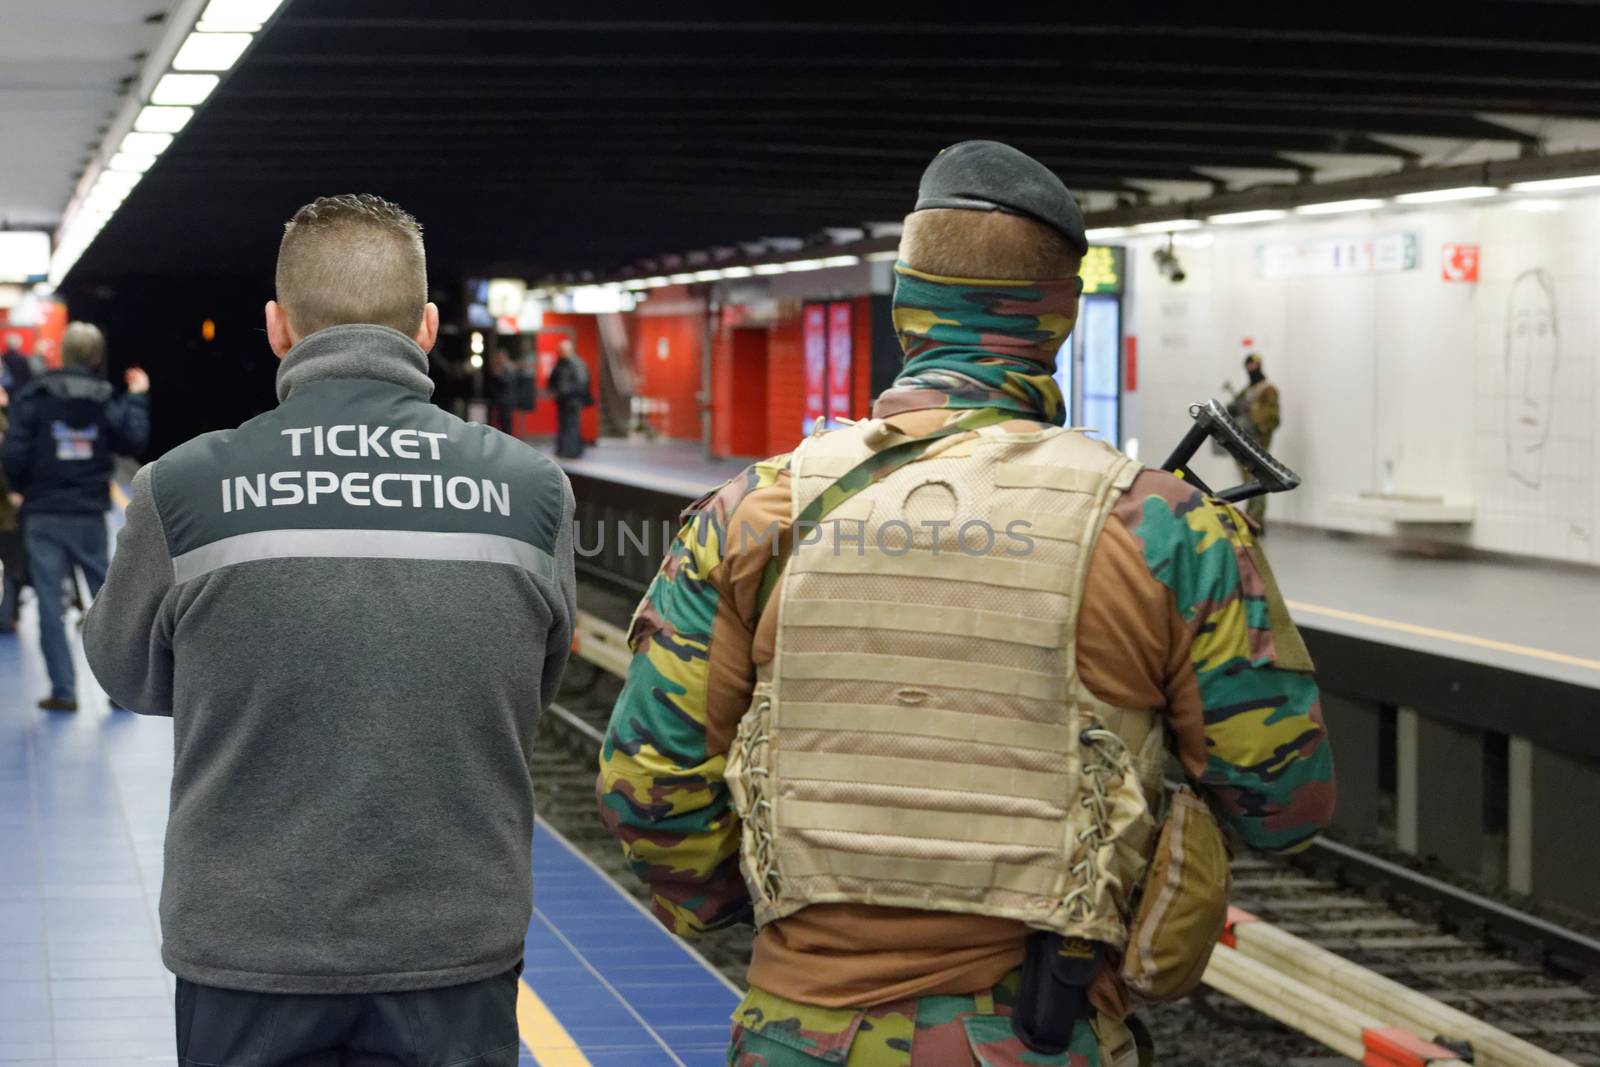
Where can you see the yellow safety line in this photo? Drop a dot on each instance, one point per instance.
(1447, 635)
(118, 497)
(543, 1033)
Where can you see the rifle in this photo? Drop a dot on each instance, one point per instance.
(1211, 420)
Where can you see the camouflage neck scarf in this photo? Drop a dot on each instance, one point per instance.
(979, 343)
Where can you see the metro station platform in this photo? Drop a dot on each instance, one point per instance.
(83, 808)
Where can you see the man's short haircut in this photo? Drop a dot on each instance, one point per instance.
(83, 346)
(355, 258)
(985, 244)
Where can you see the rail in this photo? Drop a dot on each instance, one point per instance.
(1348, 1008)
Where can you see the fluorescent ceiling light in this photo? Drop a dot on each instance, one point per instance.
(840, 261)
(1167, 226)
(137, 162)
(154, 119)
(1552, 185)
(636, 283)
(90, 219)
(1106, 233)
(1240, 218)
(149, 144)
(121, 180)
(737, 272)
(105, 199)
(187, 89)
(658, 281)
(211, 51)
(707, 275)
(882, 257)
(804, 264)
(770, 268)
(243, 15)
(1339, 207)
(1440, 196)
(680, 279)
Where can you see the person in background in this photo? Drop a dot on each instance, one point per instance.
(947, 714)
(16, 369)
(1256, 409)
(13, 558)
(569, 384)
(502, 390)
(64, 429)
(348, 854)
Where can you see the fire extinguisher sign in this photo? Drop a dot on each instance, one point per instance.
(1460, 263)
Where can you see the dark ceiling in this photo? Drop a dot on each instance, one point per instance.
(623, 130)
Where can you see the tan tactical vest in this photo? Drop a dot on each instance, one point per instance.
(922, 738)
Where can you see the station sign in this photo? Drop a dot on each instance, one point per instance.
(1382, 253)
(1103, 269)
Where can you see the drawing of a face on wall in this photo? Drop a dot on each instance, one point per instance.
(1531, 354)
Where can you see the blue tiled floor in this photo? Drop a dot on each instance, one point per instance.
(82, 809)
(83, 806)
(624, 989)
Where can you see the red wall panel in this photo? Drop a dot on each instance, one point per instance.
(786, 383)
(722, 384)
(747, 405)
(861, 371)
(586, 336)
(666, 352)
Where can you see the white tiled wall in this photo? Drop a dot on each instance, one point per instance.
(1397, 380)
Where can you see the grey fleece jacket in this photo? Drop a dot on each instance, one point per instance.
(355, 608)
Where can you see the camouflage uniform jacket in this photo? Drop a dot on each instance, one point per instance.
(1179, 615)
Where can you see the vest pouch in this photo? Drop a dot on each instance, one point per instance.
(1184, 904)
(748, 775)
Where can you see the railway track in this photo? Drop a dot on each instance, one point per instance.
(1523, 975)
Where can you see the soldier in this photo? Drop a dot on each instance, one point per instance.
(973, 638)
(1257, 411)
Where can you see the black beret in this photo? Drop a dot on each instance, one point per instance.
(990, 176)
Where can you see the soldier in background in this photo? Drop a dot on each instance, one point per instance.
(928, 690)
(1256, 409)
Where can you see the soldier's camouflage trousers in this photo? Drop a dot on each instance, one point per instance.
(965, 1031)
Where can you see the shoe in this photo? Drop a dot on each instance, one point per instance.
(57, 704)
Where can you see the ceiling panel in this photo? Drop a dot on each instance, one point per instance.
(63, 67)
(621, 130)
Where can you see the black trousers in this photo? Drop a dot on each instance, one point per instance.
(569, 439)
(463, 1026)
